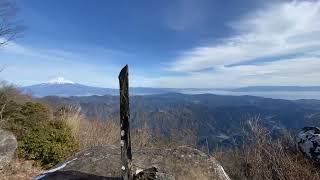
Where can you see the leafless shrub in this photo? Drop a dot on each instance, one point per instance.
(141, 137)
(10, 94)
(20, 169)
(176, 138)
(9, 28)
(91, 133)
(261, 157)
(95, 132)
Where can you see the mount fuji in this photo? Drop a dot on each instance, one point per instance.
(59, 80)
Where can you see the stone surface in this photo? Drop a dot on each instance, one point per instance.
(181, 163)
(26, 166)
(8, 145)
(309, 142)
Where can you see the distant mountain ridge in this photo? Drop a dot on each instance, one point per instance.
(65, 88)
(275, 88)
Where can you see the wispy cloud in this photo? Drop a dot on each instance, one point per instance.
(281, 29)
(186, 14)
(277, 45)
(301, 71)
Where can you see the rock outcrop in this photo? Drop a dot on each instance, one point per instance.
(181, 163)
(309, 142)
(8, 145)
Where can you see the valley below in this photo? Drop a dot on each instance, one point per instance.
(215, 120)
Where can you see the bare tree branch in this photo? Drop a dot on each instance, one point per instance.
(9, 27)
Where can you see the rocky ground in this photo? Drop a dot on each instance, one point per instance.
(12, 168)
(19, 169)
(181, 163)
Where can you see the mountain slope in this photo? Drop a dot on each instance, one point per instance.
(213, 117)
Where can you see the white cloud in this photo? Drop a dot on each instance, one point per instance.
(301, 71)
(280, 29)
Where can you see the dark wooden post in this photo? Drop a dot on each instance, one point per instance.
(126, 156)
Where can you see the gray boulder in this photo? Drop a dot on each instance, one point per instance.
(181, 163)
(8, 145)
(309, 142)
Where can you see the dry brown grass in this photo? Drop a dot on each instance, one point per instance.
(141, 137)
(264, 158)
(91, 133)
(20, 169)
(182, 137)
(261, 157)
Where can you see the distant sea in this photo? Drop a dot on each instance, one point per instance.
(289, 95)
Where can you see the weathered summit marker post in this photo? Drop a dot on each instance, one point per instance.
(125, 143)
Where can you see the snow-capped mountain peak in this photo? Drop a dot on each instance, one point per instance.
(59, 80)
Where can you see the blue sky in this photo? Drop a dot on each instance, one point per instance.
(169, 43)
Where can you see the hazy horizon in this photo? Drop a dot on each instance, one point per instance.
(64, 87)
(62, 80)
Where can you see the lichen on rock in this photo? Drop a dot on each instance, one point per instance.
(309, 142)
(8, 145)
